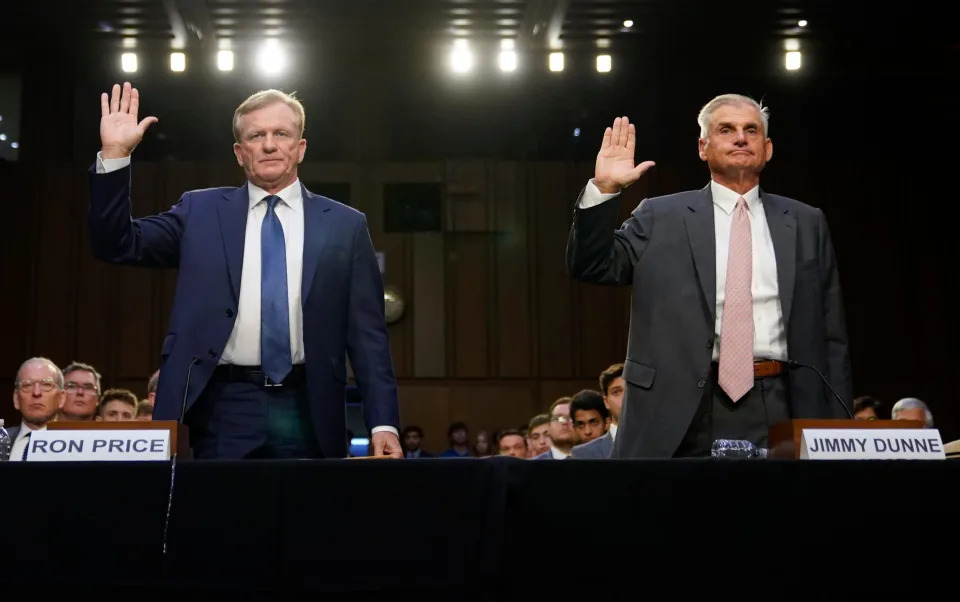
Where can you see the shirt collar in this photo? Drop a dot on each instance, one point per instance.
(26, 430)
(613, 431)
(292, 195)
(726, 199)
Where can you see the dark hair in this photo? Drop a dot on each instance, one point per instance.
(866, 402)
(538, 420)
(411, 429)
(586, 400)
(507, 432)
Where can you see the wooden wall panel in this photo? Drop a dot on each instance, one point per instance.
(511, 272)
(553, 300)
(426, 305)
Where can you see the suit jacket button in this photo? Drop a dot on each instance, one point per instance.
(701, 384)
(212, 353)
(228, 312)
(710, 343)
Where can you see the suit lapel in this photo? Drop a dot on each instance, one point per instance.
(233, 212)
(783, 232)
(316, 229)
(702, 237)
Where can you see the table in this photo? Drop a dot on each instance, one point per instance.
(475, 529)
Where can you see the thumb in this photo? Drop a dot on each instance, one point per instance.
(147, 122)
(639, 170)
(378, 445)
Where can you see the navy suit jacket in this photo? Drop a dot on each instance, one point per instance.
(598, 449)
(203, 236)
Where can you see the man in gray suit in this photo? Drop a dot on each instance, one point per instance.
(729, 284)
(612, 387)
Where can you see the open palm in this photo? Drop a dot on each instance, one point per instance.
(615, 169)
(120, 132)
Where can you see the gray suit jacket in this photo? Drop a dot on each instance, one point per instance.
(666, 251)
(598, 449)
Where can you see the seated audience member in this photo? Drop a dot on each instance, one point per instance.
(411, 439)
(538, 435)
(562, 435)
(866, 408)
(145, 410)
(911, 408)
(613, 386)
(39, 396)
(512, 443)
(118, 405)
(81, 383)
(482, 446)
(590, 417)
(152, 387)
(459, 437)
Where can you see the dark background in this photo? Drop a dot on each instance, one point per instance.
(494, 329)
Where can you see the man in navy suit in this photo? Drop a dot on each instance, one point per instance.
(276, 287)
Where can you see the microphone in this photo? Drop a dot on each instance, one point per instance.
(173, 460)
(796, 364)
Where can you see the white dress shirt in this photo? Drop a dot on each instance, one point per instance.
(16, 452)
(557, 454)
(613, 431)
(769, 336)
(243, 346)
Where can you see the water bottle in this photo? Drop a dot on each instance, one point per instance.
(5, 443)
(736, 448)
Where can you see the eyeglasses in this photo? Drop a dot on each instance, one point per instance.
(561, 419)
(72, 387)
(46, 385)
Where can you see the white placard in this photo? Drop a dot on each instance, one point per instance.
(99, 445)
(871, 444)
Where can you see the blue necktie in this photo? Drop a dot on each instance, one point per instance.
(26, 448)
(275, 358)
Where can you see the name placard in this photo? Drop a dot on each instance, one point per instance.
(98, 445)
(871, 444)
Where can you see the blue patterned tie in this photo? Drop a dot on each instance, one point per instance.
(26, 448)
(275, 358)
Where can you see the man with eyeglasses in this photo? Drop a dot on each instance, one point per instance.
(562, 435)
(38, 395)
(82, 386)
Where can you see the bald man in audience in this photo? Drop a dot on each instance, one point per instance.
(38, 395)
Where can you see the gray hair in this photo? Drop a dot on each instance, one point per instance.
(706, 113)
(912, 403)
(76, 366)
(57, 374)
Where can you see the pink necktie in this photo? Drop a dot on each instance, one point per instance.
(736, 329)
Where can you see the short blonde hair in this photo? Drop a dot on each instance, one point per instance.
(265, 98)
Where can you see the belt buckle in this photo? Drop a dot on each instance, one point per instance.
(269, 383)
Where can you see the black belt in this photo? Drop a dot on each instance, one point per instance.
(255, 375)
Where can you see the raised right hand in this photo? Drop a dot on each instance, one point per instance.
(615, 169)
(120, 132)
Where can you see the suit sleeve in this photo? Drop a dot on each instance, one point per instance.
(598, 252)
(834, 318)
(368, 345)
(116, 237)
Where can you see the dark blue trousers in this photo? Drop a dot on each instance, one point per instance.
(235, 420)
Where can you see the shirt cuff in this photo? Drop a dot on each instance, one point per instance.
(108, 165)
(592, 196)
(389, 429)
